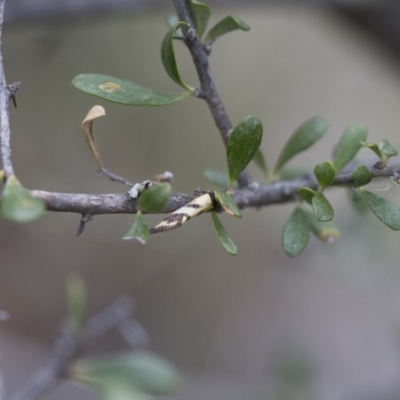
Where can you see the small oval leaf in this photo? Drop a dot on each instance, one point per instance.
(372, 146)
(387, 149)
(325, 173)
(322, 209)
(222, 235)
(324, 231)
(153, 199)
(168, 55)
(304, 137)
(139, 230)
(306, 194)
(362, 175)
(201, 14)
(296, 233)
(243, 143)
(136, 370)
(228, 204)
(386, 211)
(349, 145)
(125, 92)
(228, 24)
(17, 204)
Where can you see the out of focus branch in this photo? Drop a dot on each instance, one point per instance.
(70, 344)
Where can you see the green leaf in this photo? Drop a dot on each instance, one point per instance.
(139, 230)
(259, 160)
(17, 203)
(114, 389)
(306, 194)
(296, 233)
(76, 301)
(124, 92)
(243, 143)
(228, 204)
(228, 24)
(387, 149)
(218, 178)
(171, 20)
(153, 199)
(372, 146)
(386, 212)
(222, 235)
(201, 14)
(325, 173)
(322, 209)
(349, 145)
(168, 56)
(324, 231)
(362, 175)
(304, 137)
(137, 371)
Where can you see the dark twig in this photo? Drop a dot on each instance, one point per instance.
(82, 224)
(114, 177)
(4, 107)
(71, 344)
(207, 87)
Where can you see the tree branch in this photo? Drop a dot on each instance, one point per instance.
(263, 195)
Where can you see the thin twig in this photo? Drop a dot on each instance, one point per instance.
(69, 345)
(4, 107)
(207, 86)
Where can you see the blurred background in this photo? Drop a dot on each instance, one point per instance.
(323, 326)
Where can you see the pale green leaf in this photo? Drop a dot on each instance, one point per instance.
(306, 194)
(153, 199)
(125, 92)
(349, 145)
(387, 149)
(171, 20)
(325, 173)
(386, 211)
(243, 143)
(296, 233)
(228, 24)
(228, 204)
(304, 137)
(168, 55)
(218, 178)
(362, 175)
(372, 146)
(200, 14)
(18, 204)
(136, 370)
(322, 209)
(324, 231)
(222, 235)
(139, 230)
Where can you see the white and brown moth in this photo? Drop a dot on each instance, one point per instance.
(205, 202)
